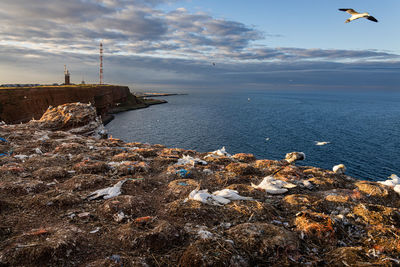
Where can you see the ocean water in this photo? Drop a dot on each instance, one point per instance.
(363, 128)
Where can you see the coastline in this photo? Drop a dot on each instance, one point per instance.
(145, 103)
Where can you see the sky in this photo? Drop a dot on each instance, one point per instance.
(174, 46)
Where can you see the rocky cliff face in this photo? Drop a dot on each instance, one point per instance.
(22, 104)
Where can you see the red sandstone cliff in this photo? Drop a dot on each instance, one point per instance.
(22, 104)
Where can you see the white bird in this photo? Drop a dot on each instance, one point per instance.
(321, 143)
(355, 15)
(273, 186)
(397, 189)
(295, 156)
(394, 181)
(108, 192)
(230, 194)
(339, 169)
(206, 198)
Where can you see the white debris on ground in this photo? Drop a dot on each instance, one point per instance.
(339, 169)
(204, 234)
(94, 128)
(273, 186)
(208, 171)
(21, 157)
(108, 192)
(307, 184)
(219, 153)
(188, 160)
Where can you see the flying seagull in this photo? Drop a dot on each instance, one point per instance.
(355, 15)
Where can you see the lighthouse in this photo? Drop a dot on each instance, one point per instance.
(67, 76)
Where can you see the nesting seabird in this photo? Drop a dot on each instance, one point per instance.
(295, 156)
(339, 169)
(355, 15)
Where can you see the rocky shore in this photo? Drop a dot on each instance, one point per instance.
(70, 196)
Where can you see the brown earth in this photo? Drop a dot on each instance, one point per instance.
(47, 219)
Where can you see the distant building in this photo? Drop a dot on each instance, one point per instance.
(67, 76)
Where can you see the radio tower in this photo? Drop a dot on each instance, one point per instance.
(101, 63)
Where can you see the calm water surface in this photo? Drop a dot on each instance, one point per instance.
(363, 128)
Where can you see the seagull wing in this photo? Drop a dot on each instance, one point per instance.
(349, 10)
(372, 18)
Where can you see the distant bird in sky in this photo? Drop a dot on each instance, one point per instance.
(355, 15)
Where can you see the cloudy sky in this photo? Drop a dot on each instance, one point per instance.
(169, 45)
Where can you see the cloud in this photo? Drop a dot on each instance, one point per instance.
(147, 45)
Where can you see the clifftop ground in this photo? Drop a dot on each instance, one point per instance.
(49, 169)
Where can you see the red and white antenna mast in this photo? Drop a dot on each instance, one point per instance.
(101, 63)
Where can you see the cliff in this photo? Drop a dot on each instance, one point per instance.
(24, 103)
(71, 200)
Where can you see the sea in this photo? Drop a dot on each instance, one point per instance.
(362, 128)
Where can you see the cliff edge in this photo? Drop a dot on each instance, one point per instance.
(21, 104)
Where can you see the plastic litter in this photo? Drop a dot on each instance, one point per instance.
(204, 234)
(183, 184)
(21, 157)
(208, 171)
(307, 184)
(183, 173)
(44, 137)
(115, 258)
(108, 192)
(190, 160)
(95, 230)
(38, 232)
(7, 153)
(119, 217)
(143, 219)
(273, 186)
(3, 140)
(220, 153)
